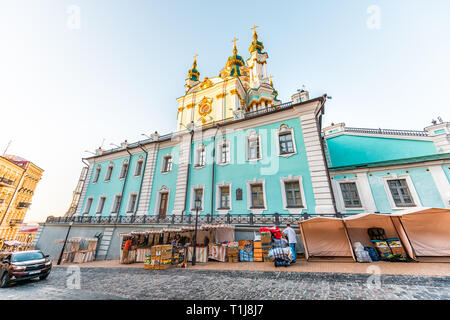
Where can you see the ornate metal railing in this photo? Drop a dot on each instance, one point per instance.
(235, 219)
(388, 132)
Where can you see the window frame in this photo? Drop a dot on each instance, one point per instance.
(284, 129)
(89, 200)
(140, 165)
(102, 197)
(129, 202)
(96, 176)
(109, 169)
(412, 191)
(200, 153)
(114, 203)
(123, 174)
(253, 136)
(224, 143)
(165, 162)
(218, 197)
(192, 198)
(293, 209)
(250, 207)
(360, 206)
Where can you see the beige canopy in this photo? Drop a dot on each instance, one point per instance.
(428, 231)
(325, 238)
(358, 224)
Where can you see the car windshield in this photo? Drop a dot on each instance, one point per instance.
(25, 256)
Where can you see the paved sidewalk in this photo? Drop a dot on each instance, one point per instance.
(393, 268)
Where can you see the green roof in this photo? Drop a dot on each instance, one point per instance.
(441, 156)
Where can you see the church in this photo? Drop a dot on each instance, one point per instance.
(240, 155)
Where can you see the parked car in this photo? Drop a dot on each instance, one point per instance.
(23, 265)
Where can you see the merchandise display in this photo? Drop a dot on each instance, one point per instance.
(79, 250)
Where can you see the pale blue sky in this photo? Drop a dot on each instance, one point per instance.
(118, 76)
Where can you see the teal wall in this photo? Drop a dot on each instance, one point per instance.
(270, 168)
(165, 179)
(347, 150)
(114, 186)
(447, 172)
(423, 183)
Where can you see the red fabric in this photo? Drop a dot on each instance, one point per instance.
(127, 245)
(274, 230)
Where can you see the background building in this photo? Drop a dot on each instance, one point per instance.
(18, 180)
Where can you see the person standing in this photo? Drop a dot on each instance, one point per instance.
(290, 234)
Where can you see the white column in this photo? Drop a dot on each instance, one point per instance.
(442, 184)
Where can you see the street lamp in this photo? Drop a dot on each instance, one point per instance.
(65, 241)
(198, 204)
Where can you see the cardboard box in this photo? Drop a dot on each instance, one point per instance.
(257, 244)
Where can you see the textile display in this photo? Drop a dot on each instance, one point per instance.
(201, 254)
(217, 252)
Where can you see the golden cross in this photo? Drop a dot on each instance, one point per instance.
(254, 27)
(195, 56)
(234, 40)
(270, 77)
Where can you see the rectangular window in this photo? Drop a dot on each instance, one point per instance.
(109, 173)
(116, 204)
(167, 165)
(87, 208)
(137, 171)
(198, 196)
(293, 195)
(257, 196)
(400, 193)
(225, 155)
(101, 204)
(96, 175)
(123, 172)
(132, 203)
(224, 197)
(163, 204)
(253, 149)
(201, 157)
(286, 145)
(350, 195)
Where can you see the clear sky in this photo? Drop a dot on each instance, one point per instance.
(63, 89)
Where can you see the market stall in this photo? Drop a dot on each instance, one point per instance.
(428, 232)
(377, 234)
(326, 238)
(79, 250)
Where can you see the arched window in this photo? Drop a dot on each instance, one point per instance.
(97, 174)
(109, 172)
(124, 170)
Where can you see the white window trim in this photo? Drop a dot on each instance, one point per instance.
(291, 178)
(164, 162)
(114, 201)
(94, 181)
(253, 135)
(218, 196)
(196, 156)
(163, 189)
(90, 207)
(140, 159)
(283, 130)
(128, 203)
(192, 199)
(219, 149)
(411, 188)
(249, 183)
(110, 165)
(121, 169)
(340, 196)
(98, 205)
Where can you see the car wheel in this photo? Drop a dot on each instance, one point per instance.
(4, 281)
(44, 277)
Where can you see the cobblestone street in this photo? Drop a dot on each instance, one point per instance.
(133, 283)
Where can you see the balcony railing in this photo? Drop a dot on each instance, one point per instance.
(23, 205)
(7, 182)
(235, 219)
(388, 132)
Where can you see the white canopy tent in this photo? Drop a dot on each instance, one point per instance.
(326, 238)
(428, 231)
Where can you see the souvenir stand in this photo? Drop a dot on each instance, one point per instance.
(223, 234)
(79, 250)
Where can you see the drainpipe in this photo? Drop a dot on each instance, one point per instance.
(125, 181)
(319, 125)
(188, 173)
(142, 178)
(213, 170)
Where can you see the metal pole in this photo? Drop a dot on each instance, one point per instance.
(194, 256)
(64, 245)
